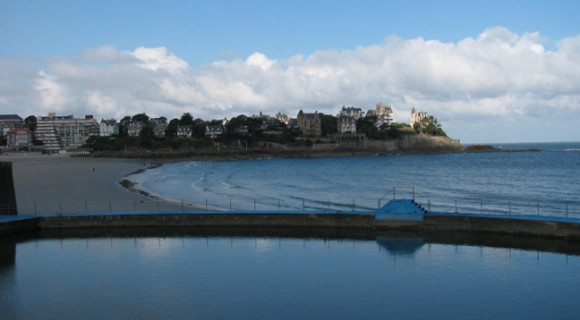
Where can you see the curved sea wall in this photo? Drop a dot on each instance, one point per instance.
(569, 230)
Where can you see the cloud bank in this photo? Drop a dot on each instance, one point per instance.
(496, 80)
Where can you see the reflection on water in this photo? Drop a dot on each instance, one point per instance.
(7, 253)
(400, 245)
(222, 273)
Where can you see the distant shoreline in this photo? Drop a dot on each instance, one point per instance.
(294, 154)
(419, 144)
(481, 148)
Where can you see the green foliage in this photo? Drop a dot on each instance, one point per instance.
(398, 130)
(328, 124)
(145, 140)
(171, 130)
(186, 119)
(96, 143)
(30, 123)
(125, 119)
(367, 126)
(141, 117)
(237, 122)
(199, 128)
(430, 126)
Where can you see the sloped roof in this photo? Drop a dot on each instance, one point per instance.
(10, 117)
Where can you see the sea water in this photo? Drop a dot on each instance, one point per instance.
(538, 183)
(277, 277)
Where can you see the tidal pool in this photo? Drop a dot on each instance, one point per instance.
(284, 275)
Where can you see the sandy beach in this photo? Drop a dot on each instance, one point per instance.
(63, 184)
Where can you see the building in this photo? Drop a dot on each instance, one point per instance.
(293, 123)
(384, 114)
(242, 129)
(159, 126)
(19, 138)
(9, 122)
(212, 131)
(61, 133)
(282, 117)
(108, 128)
(134, 128)
(185, 131)
(352, 112)
(346, 124)
(416, 117)
(309, 123)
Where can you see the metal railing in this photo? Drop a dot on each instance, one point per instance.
(441, 205)
(505, 207)
(405, 191)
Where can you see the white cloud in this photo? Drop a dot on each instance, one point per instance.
(53, 94)
(498, 76)
(158, 59)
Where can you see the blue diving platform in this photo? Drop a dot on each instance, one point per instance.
(401, 210)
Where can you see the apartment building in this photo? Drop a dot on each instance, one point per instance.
(61, 133)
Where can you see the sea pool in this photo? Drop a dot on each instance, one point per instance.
(296, 274)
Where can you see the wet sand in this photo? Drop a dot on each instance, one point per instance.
(62, 184)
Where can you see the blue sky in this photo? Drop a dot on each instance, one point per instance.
(216, 59)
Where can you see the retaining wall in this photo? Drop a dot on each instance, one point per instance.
(14, 226)
(327, 220)
(7, 195)
(430, 223)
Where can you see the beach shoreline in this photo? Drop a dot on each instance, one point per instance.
(135, 187)
(45, 184)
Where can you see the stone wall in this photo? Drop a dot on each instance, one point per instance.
(7, 194)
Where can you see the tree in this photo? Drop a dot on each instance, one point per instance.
(199, 128)
(141, 117)
(237, 122)
(30, 123)
(145, 138)
(429, 125)
(328, 124)
(186, 119)
(367, 126)
(396, 130)
(125, 120)
(171, 130)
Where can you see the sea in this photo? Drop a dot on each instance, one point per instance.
(520, 183)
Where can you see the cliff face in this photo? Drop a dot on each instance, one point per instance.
(429, 144)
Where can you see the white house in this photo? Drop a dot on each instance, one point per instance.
(108, 128)
(185, 131)
(346, 124)
(417, 116)
(214, 130)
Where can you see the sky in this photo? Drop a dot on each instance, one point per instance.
(489, 71)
